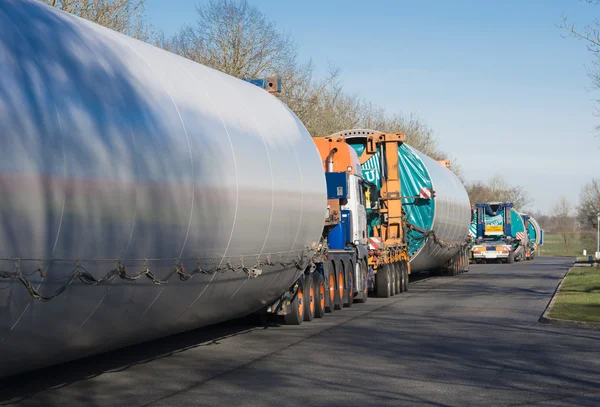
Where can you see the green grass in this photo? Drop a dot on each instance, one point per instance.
(555, 246)
(579, 296)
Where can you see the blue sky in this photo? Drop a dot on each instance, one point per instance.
(505, 93)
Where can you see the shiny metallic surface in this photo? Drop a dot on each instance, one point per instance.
(113, 149)
(451, 220)
(452, 214)
(536, 227)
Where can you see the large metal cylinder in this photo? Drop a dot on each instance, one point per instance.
(448, 214)
(534, 231)
(112, 149)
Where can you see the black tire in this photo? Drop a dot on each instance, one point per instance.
(404, 265)
(383, 283)
(309, 298)
(393, 278)
(295, 314)
(330, 286)
(401, 282)
(364, 273)
(401, 277)
(452, 267)
(349, 284)
(511, 258)
(339, 285)
(320, 292)
(477, 261)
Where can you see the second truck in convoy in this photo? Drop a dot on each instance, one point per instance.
(391, 210)
(344, 269)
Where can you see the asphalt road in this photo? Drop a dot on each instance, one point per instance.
(474, 339)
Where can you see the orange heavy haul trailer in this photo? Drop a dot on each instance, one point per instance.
(344, 269)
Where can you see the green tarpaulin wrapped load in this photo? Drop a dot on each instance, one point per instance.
(447, 214)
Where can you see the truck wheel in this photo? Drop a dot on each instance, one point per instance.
(466, 259)
(329, 272)
(339, 280)
(309, 298)
(393, 279)
(404, 265)
(349, 286)
(295, 316)
(511, 258)
(319, 285)
(362, 298)
(383, 284)
(452, 268)
(399, 278)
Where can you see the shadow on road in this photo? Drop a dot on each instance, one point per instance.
(20, 387)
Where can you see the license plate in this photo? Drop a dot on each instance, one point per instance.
(491, 255)
(494, 229)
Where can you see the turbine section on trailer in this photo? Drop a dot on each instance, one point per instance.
(143, 194)
(434, 201)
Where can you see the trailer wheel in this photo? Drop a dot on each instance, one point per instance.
(364, 273)
(404, 265)
(393, 279)
(339, 280)
(401, 277)
(396, 278)
(466, 260)
(295, 316)
(383, 284)
(349, 292)
(511, 258)
(329, 274)
(452, 267)
(320, 292)
(309, 298)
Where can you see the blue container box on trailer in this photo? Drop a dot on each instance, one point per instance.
(337, 188)
(337, 185)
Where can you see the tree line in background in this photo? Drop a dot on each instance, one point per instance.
(575, 224)
(234, 37)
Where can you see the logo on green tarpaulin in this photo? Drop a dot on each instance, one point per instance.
(371, 175)
(414, 178)
(494, 225)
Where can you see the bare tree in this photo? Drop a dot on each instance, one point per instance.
(479, 193)
(125, 16)
(562, 212)
(590, 35)
(236, 38)
(589, 204)
(498, 190)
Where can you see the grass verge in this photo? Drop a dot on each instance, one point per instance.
(579, 296)
(555, 246)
